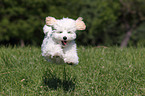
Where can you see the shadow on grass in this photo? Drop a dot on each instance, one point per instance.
(53, 82)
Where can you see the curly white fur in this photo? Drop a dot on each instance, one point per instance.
(59, 45)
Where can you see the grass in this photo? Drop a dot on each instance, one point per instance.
(101, 71)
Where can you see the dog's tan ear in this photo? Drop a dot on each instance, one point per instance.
(50, 20)
(80, 24)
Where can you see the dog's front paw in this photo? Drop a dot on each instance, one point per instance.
(57, 54)
(71, 60)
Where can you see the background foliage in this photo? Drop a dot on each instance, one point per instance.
(108, 22)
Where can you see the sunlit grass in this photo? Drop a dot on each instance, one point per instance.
(101, 71)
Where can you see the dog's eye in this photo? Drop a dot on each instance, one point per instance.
(69, 32)
(59, 32)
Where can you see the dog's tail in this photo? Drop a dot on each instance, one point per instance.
(47, 30)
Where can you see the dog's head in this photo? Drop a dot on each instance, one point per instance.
(64, 30)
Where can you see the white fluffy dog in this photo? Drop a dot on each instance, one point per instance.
(59, 45)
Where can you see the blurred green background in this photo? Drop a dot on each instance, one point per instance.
(109, 22)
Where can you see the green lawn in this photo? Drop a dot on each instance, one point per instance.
(101, 71)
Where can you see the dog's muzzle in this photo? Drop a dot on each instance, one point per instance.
(64, 38)
(64, 43)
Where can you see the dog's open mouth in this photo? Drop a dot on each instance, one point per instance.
(64, 43)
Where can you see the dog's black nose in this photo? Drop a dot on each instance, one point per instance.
(64, 38)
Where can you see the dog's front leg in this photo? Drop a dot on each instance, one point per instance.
(70, 54)
(57, 51)
(51, 49)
